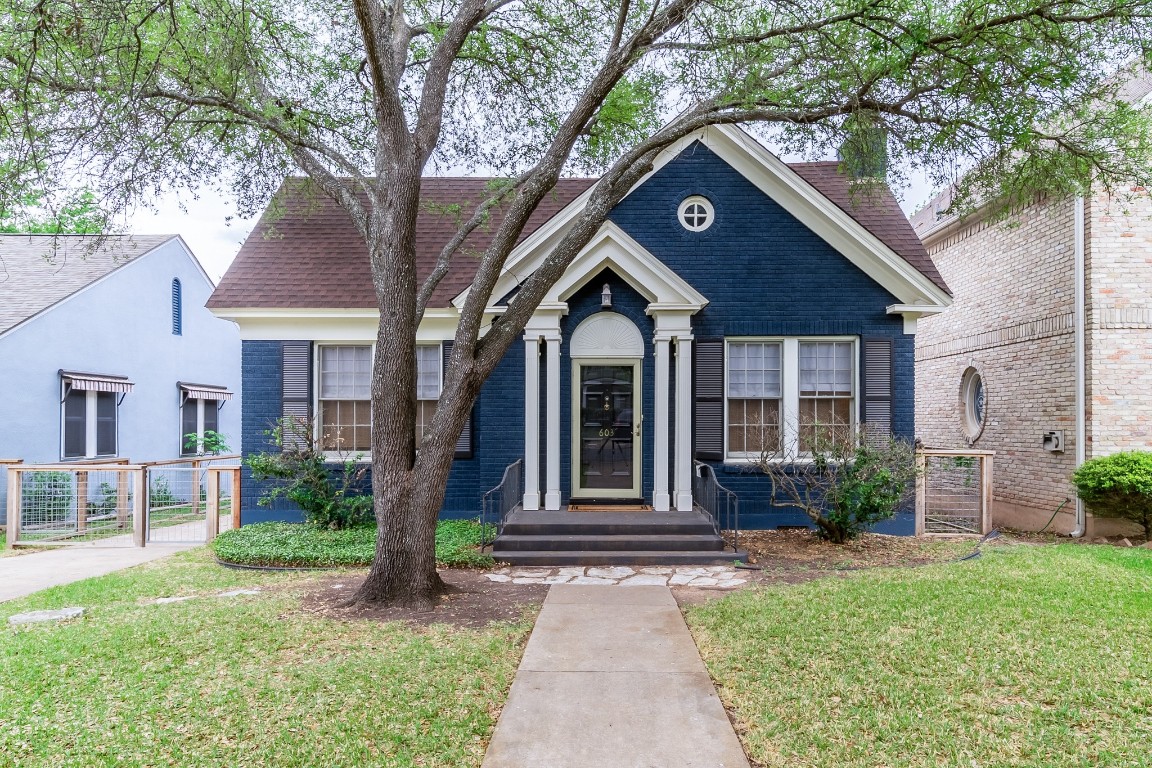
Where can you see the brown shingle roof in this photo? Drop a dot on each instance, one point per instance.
(39, 271)
(311, 256)
(877, 211)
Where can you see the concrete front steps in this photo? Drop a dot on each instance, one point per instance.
(611, 538)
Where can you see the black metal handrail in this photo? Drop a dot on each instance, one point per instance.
(721, 505)
(501, 500)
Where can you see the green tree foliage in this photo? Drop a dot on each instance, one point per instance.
(79, 214)
(128, 97)
(1119, 485)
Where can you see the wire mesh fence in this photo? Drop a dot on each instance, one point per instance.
(72, 504)
(189, 502)
(954, 492)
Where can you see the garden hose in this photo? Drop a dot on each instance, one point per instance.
(1066, 500)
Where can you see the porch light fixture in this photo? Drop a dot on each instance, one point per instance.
(606, 297)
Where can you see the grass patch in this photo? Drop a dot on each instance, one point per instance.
(300, 545)
(1028, 656)
(243, 681)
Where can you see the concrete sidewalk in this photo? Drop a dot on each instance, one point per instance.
(612, 679)
(25, 574)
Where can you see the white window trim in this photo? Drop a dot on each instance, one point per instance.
(361, 457)
(89, 427)
(789, 393)
(703, 202)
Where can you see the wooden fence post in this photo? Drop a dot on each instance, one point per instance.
(921, 494)
(236, 498)
(986, 493)
(212, 519)
(15, 491)
(139, 507)
(81, 501)
(197, 479)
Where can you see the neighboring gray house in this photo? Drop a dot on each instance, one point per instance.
(106, 350)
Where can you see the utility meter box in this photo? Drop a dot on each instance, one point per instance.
(1054, 441)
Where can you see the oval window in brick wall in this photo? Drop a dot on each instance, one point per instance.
(973, 401)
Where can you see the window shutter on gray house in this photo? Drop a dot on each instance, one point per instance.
(464, 445)
(296, 391)
(708, 403)
(876, 381)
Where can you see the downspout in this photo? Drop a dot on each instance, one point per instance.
(1079, 322)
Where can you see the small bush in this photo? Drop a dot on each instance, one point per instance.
(306, 546)
(1119, 485)
(849, 481)
(329, 498)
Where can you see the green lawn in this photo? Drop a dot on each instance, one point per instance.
(242, 681)
(1028, 656)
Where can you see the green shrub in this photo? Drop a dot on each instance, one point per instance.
(849, 481)
(329, 499)
(306, 546)
(47, 497)
(1119, 485)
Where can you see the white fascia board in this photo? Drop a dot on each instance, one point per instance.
(650, 277)
(831, 223)
(259, 324)
(912, 313)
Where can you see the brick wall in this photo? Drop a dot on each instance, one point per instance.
(1119, 276)
(1012, 320)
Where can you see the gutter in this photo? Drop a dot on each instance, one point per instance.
(1079, 321)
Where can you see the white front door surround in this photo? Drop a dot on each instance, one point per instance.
(606, 337)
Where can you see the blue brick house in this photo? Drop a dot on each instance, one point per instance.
(730, 302)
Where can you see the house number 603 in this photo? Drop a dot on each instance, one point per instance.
(606, 433)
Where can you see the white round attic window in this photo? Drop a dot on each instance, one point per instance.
(695, 213)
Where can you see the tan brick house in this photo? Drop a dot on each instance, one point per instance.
(1045, 355)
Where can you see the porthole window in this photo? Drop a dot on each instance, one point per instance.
(973, 399)
(696, 213)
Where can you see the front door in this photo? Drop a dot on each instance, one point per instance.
(606, 430)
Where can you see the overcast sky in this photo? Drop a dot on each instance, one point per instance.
(205, 225)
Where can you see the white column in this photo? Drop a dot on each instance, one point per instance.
(683, 463)
(552, 431)
(660, 498)
(531, 422)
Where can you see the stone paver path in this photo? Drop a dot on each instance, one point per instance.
(611, 679)
(721, 576)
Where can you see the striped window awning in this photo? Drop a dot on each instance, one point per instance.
(96, 382)
(204, 391)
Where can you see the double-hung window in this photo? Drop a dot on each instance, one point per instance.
(784, 396)
(754, 393)
(197, 417)
(345, 392)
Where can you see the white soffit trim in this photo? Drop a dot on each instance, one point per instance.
(776, 180)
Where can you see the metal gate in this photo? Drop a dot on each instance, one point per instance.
(954, 492)
(190, 501)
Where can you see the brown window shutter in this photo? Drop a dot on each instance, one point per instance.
(708, 387)
(296, 391)
(876, 381)
(465, 448)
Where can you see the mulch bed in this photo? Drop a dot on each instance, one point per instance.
(801, 552)
(472, 601)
